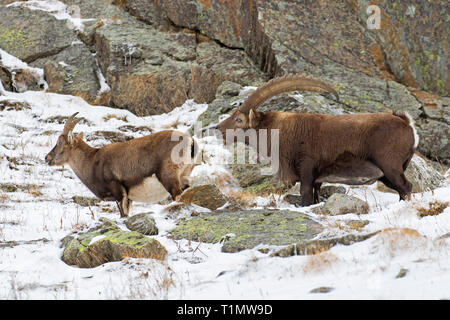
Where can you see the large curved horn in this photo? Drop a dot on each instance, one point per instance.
(70, 124)
(287, 83)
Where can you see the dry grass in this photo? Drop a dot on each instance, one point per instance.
(113, 116)
(151, 281)
(35, 190)
(320, 262)
(434, 208)
(397, 240)
(3, 197)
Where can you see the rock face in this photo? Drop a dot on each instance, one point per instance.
(73, 71)
(152, 72)
(107, 243)
(32, 34)
(155, 54)
(413, 37)
(241, 230)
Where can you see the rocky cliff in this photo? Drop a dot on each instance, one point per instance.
(155, 54)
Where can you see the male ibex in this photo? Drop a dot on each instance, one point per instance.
(145, 169)
(316, 148)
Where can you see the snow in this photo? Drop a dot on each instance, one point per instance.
(35, 218)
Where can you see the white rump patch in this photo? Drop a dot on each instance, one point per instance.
(411, 123)
(150, 190)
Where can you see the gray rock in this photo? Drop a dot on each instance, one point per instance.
(239, 230)
(322, 290)
(308, 247)
(72, 71)
(85, 201)
(341, 204)
(32, 34)
(106, 242)
(434, 139)
(228, 89)
(143, 223)
(208, 196)
(294, 199)
(328, 190)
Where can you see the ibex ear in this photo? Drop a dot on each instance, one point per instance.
(80, 135)
(253, 119)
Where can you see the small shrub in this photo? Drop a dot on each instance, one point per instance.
(435, 207)
(3, 198)
(320, 262)
(113, 116)
(8, 187)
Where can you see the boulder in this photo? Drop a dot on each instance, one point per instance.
(85, 201)
(228, 89)
(208, 196)
(309, 247)
(107, 243)
(325, 192)
(328, 190)
(251, 179)
(294, 199)
(240, 230)
(143, 223)
(341, 204)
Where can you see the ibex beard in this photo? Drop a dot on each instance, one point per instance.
(140, 169)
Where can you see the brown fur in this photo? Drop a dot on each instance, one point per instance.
(111, 171)
(314, 147)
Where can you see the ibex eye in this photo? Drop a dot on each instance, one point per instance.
(238, 120)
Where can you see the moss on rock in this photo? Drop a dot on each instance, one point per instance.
(240, 230)
(106, 243)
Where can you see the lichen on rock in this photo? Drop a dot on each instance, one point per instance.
(241, 230)
(107, 243)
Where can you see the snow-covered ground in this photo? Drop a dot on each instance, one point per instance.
(35, 217)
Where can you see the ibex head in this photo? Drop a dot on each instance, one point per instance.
(60, 152)
(247, 117)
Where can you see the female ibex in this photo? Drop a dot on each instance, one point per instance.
(317, 148)
(144, 169)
